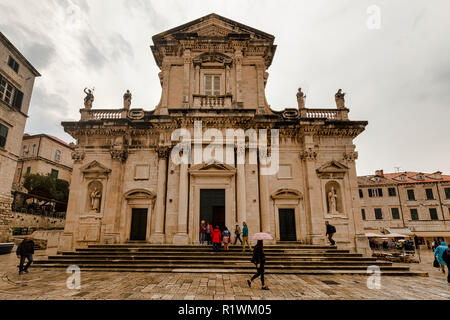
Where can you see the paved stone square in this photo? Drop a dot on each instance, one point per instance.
(51, 284)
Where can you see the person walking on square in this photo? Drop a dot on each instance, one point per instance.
(245, 237)
(226, 235)
(439, 252)
(216, 238)
(208, 232)
(259, 259)
(237, 234)
(331, 230)
(202, 232)
(25, 250)
(446, 258)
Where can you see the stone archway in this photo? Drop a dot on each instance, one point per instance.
(289, 215)
(138, 202)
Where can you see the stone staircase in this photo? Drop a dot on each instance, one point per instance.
(290, 258)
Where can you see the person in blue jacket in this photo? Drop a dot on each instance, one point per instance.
(439, 252)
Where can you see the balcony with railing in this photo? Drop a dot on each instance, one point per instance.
(329, 114)
(212, 102)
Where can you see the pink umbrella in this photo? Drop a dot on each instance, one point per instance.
(262, 236)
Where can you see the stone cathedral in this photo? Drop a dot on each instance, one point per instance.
(126, 187)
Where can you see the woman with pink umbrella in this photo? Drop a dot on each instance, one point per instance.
(259, 258)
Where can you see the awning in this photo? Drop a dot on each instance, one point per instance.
(404, 231)
(432, 234)
(388, 235)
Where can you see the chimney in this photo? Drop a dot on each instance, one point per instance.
(379, 173)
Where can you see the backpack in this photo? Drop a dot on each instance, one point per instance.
(446, 256)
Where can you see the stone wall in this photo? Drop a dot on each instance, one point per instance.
(22, 220)
(5, 219)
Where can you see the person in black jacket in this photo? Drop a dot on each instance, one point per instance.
(331, 230)
(446, 258)
(259, 259)
(24, 251)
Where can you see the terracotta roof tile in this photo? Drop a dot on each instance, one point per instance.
(402, 178)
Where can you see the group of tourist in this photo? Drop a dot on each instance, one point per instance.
(216, 237)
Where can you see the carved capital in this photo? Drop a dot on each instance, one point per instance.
(351, 156)
(163, 152)
(308, 155)
(121, 155)
(78, 156)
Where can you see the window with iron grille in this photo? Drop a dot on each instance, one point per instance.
(395, 213)
(414, 214)
(212, 85)
(392, 192)
(411, 195)
(433, 214)
(378, 214)
(429, 193)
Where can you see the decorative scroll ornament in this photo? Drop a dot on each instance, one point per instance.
(308, 155)
(163, 152)
(78, 156)
(121, 155)
(136, 114)
(351, 156)
(290, 114)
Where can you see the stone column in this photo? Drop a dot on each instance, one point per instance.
(187, 65)
(165, 89)
(264, 200)
(313, 199)
(260, 68)
(182, 233)
(112, 192)
(158, 236)
(240, 188)
(197, 80)
(238, 66)
(227, 80)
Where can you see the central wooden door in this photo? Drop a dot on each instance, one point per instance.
(138, 224)
(287, 225)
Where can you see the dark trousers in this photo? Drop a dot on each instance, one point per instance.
(236, 239)
(208, 238)
(260, 272)
(330, 238)
(216, 246)
(29, 257)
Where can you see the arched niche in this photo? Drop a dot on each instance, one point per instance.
(333, 196)
(94, 196)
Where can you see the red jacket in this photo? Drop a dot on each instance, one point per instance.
(216, 235)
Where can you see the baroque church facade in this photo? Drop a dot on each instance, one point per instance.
(126, 185)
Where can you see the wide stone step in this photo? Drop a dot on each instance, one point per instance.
(220, 263)
(146, 245)
(205, 250)
(214, 266)
(209, 257)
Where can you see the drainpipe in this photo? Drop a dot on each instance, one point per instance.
(401, 207)
(441, 205)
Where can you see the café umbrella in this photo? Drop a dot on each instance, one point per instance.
(262, 236)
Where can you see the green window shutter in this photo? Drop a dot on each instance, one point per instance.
(3, 135)
(208, 85)
(18, 98)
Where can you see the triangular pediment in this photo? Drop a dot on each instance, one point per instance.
(95, 167)
(332, 167)
(213, 166)
(213, 25)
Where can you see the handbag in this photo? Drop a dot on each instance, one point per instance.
(436, 264)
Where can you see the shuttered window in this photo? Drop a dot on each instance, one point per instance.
(3, 135)
(414, 214)
(433, 214)
(395, 213)
(13, 64)
(378, 214)
(10, 94)
(212, 85)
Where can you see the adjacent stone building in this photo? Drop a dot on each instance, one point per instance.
(16, 85)
(412, 203)
(128, 182)
(44, 154)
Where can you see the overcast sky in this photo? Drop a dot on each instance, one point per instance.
(397, 77)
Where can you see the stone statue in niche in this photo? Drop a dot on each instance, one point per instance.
(96, 196)
(332, 201)
(339, 97)
(89, 98)
(300, 98)
(127, 100)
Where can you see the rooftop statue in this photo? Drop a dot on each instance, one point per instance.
(127, 100)
(300, 98)
(88, 99)
(339, 97)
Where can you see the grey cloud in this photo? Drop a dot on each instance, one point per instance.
(121, 47)
(145, 9)
(92, 55)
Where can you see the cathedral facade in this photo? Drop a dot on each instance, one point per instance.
(213, 150)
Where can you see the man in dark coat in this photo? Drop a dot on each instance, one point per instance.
(446, 258)
(331, 230)
(24, 251)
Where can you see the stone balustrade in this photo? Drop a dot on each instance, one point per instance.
(100, 114)
(220, 102)
(329, 114)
